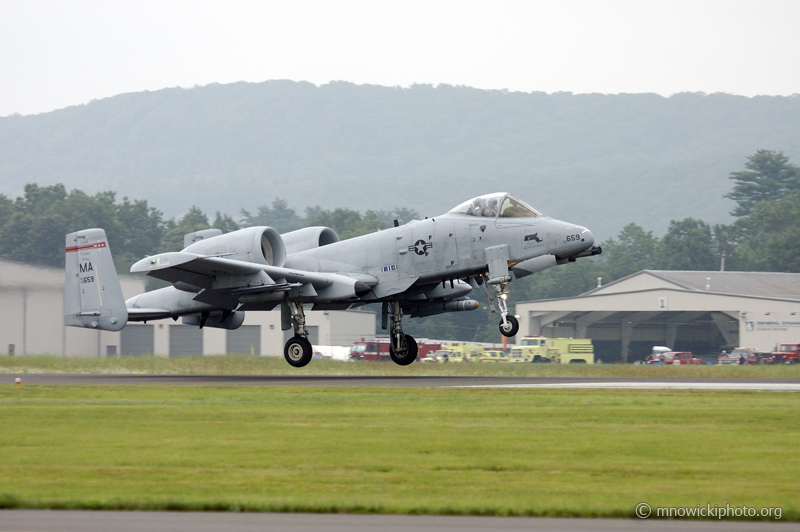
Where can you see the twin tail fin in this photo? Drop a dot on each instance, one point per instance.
(92, 293)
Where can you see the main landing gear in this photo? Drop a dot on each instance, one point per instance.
(403, 347)
(498, 293)
(297, 350)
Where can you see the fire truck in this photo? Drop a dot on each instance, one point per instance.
(788, 354)
(553, 350)
(377, 349)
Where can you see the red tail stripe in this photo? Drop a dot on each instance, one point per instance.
(70, 249)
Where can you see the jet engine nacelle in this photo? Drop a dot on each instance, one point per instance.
(262, 245)
(232, 321)
(309, 238)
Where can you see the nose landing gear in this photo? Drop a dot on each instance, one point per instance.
(498, 293)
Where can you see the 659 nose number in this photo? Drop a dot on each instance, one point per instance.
(573, 238)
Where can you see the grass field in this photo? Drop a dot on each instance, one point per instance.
(247, 365)
(399, 450)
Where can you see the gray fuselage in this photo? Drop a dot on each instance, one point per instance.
(451, 246)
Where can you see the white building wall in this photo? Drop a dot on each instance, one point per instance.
(42, 309)
(161, 337)
(11, 320)
(214, 341)
(349, 327)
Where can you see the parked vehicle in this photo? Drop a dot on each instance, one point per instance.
(751, 356)
(787, 354)
(553, 350)
(656, 355)
(459, 353)
(378, 349)
(680, 358)
(494, 356)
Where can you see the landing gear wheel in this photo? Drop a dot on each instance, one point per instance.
(406, 354)
(510, 327)
(297, 351)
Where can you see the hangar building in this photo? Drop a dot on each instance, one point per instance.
(32, 322)
(702, 312)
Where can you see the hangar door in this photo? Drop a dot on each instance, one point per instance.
(136, 340)
(313, 334)
(185, 340)
(244, 340)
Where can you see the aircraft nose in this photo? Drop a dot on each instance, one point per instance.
(587, 237)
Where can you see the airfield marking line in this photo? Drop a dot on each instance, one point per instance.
(734, 386)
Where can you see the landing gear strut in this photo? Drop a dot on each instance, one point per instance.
(297, 350)
(403, 347)
(498, 293)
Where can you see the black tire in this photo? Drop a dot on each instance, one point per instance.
(405, 356)
(512, 327)
(297, 351)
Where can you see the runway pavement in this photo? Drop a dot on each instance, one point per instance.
(88, 521)
(438, 382)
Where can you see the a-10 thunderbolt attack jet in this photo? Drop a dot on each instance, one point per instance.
(422, 268)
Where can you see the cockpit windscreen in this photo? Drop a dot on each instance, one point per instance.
(497, 205)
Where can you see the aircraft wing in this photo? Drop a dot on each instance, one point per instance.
(219, 273)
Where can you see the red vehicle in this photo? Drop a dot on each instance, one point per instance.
(378, 349)
(680, 357)
(750, 355)
(788, 354)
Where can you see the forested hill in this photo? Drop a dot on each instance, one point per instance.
(598, 160)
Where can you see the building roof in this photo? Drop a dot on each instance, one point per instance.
(761, 284)
(753, 284)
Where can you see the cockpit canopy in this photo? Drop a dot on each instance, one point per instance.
(499, 204)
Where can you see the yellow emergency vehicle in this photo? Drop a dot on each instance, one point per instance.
(494, 355)
(459, 353)
(554, 350)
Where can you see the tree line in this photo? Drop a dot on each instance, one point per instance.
(33, 227)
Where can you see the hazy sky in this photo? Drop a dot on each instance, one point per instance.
(60, 53)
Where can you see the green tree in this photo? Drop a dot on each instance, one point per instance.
(32, 228)
(766, 239)
(279, 216)
(194, 220)
(346, 222)
(224, 223)
(634, 250)
(403, 215)
(139, 230)
(688, 245)
(768, 176)
(34, 231)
